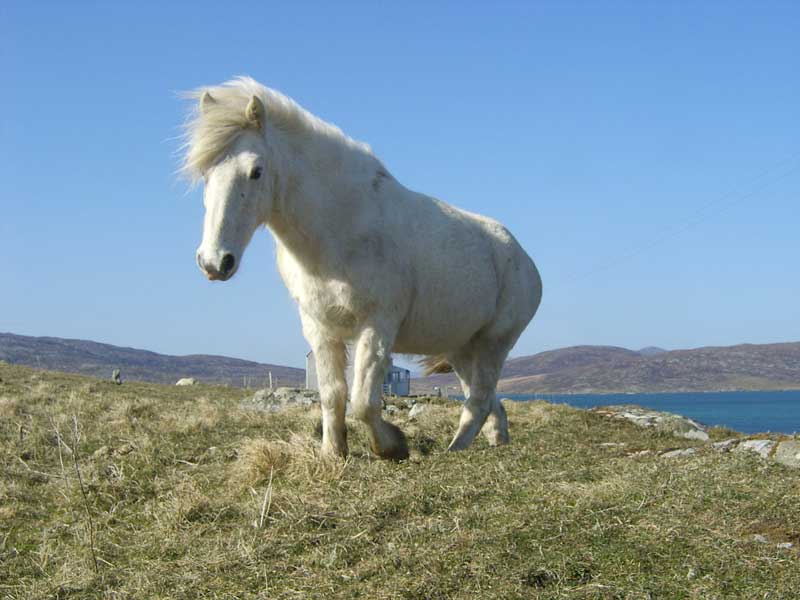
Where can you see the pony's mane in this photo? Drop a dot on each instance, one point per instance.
(210, 132)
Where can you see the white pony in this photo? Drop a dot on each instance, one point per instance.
(368, 261)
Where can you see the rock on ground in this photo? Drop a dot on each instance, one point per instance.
(785, 452)
(417, 410)
(186, 381)
(280, 398)
(725, 445)
(760, 447)
(788, 453)
(679, 453)
(660, 421)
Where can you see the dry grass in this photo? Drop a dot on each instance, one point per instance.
(192, 497)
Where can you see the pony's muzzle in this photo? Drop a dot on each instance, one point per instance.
(220, 270)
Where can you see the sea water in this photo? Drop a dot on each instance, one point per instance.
(748, 412)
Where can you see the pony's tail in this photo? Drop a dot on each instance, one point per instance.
(435, 364)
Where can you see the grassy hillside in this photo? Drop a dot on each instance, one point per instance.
(191, 496)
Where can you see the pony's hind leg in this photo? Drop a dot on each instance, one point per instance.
(496, 427)
(481, 365)
(484, 369)
(371, 361)
(462, 365)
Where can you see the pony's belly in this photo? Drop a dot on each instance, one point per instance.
(414, 344)
(439, 331)
(450, 306)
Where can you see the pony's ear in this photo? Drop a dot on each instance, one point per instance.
(206, 100)
(255, 112)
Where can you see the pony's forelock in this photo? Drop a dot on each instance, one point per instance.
(210, 131)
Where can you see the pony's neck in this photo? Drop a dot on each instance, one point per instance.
(318, 182)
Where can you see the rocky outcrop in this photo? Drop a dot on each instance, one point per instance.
(761, 447)
(788, 453)
(681, 452)
(416, 411)
(274, 400)
(783, 451)
(283, 397)
(658, 421)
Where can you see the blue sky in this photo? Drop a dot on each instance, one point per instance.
(647, 155)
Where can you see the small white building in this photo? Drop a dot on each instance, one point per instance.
(397, 381)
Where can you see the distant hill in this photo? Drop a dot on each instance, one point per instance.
(544, 362)
(609, 369)
(566, 358)
(651, 351)
(98, 360)
(578, 369)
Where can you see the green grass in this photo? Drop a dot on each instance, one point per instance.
(176, 478)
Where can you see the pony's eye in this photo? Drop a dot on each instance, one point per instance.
(255, 173)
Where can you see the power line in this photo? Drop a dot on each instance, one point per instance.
(705, 212)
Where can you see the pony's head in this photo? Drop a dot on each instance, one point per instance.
(227, 148)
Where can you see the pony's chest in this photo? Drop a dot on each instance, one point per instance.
(331, 302)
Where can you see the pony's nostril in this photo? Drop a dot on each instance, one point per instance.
(226, 266)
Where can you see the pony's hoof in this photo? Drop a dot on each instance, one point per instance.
(394, 447)
(334, 446)
(460, 442)
(497, 438)
(501, 441)
(333, 452)
(398, 452)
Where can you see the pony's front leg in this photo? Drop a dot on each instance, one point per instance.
(371, 361)
(330, 358)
